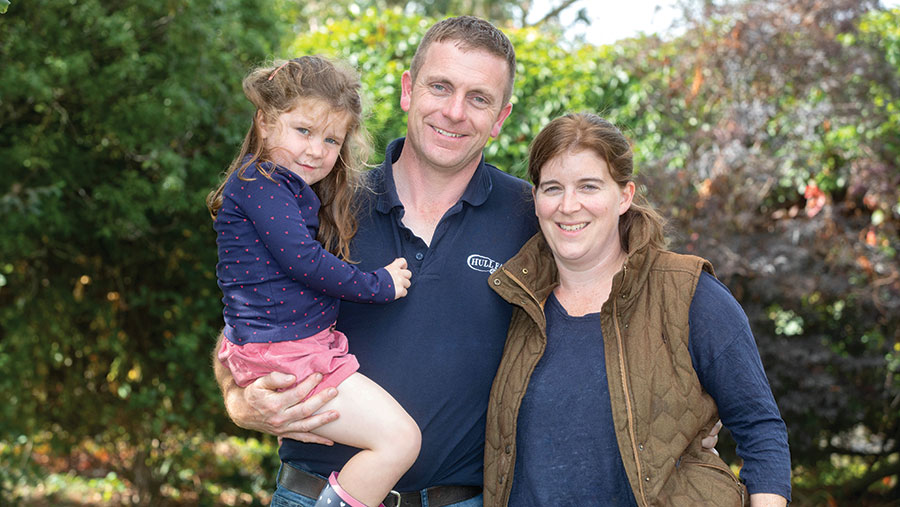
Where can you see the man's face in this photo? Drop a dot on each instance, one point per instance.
(454, 106)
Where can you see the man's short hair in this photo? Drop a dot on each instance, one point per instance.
(469, 33)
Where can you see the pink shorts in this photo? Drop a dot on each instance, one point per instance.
(324, 352)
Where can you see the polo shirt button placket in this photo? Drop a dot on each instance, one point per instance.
(419, 256)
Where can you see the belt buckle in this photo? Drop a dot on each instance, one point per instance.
(396, 495)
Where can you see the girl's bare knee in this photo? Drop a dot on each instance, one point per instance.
(405, 440)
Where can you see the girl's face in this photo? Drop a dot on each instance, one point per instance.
(578, 205)
(307, 139)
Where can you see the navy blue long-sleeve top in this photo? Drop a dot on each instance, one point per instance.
(556, 467)
(278, 282)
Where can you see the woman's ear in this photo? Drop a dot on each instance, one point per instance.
(627, 197)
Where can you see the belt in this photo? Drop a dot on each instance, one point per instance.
(309, 485)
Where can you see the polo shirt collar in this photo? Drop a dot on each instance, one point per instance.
(476, 193)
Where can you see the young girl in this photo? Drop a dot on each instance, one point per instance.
(284, 222)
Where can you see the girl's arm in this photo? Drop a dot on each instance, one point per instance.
(279, 211)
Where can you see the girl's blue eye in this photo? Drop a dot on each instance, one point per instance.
(332, 141)
(303, 130)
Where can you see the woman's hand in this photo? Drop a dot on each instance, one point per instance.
(767, 500)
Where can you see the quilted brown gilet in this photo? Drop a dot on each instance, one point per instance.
(660, 411)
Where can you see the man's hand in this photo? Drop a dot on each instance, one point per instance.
(709, 442)
(261, 406)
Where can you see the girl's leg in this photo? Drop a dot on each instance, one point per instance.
(389, 439)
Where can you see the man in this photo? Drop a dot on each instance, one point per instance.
(454, 218)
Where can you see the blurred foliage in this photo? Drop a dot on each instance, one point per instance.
(314, 14)
(224, 471)
(115, 121)
(769, 132)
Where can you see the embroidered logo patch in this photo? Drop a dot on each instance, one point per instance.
(482, 263)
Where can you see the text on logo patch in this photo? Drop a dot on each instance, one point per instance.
(482, 263)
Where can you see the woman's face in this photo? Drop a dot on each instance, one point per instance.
(578, 207)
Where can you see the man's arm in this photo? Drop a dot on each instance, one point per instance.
(261, 406)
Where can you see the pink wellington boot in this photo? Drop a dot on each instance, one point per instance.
(333, 495)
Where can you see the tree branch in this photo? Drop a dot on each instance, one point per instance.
(854, 488)
(849, 452)
(554, 12)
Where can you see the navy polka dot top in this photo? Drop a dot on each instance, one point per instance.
(278, 282)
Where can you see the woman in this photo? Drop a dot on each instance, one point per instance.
(620, 356)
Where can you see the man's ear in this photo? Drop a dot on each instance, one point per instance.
(504, 114)
(406, 84)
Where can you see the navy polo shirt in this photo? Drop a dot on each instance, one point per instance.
(436, 350)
